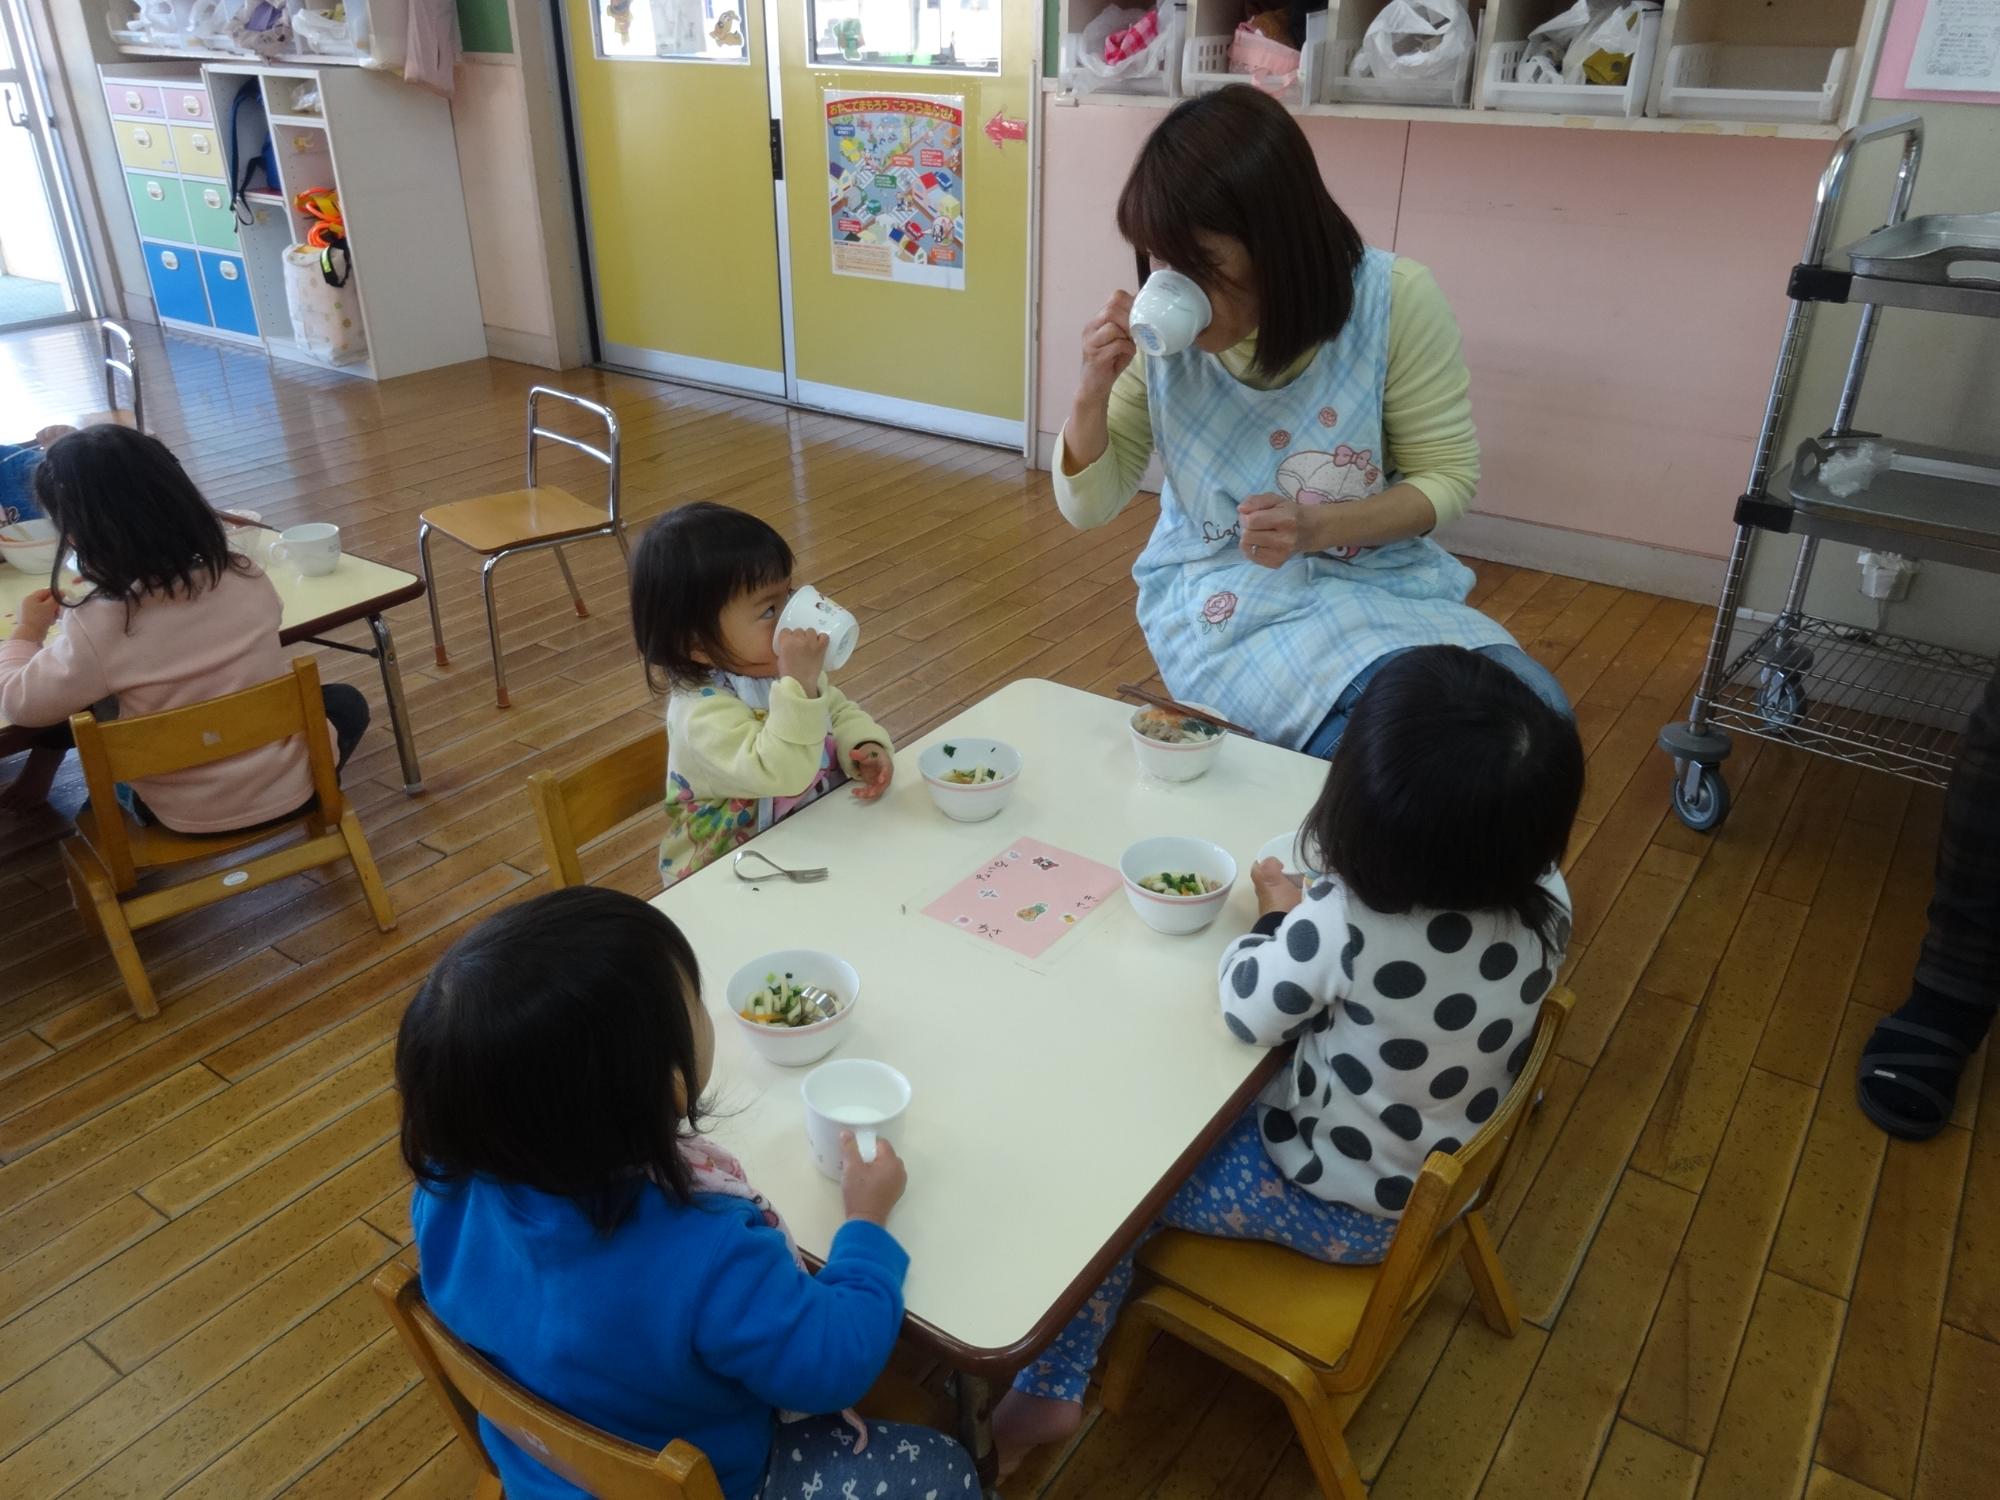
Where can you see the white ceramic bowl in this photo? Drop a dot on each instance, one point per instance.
(1177, 915)
(977, 802)
(1288, 849)
(30, 546)
(1172, 761)
(795, 1046)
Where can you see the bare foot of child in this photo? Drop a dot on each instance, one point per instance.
(1023, 1423)
(30, 789)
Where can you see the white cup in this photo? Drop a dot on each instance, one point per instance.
(1169, 313)
(851, 1093)
(314, 548)
(809, 609)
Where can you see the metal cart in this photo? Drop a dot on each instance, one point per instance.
(1855, 694)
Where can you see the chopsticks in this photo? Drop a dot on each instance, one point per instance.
(1140, 695)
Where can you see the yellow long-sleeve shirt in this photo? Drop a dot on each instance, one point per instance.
(1427, 426)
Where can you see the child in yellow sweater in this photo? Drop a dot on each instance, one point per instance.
(754, 729)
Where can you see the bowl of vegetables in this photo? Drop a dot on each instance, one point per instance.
(970, 779)
(1177, 885)
(1172, 746)
(779, 1022)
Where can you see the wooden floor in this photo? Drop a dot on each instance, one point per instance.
(1736, 1288)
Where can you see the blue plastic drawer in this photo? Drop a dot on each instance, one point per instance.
(229, 292)
(175, 272)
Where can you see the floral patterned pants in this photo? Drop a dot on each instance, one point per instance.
(815, 1460)
(1236, 1193)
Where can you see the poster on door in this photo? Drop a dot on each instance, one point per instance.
(896, 187)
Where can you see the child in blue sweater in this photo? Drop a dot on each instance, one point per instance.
(574, 1227)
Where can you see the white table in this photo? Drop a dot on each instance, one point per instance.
(1057, 1102)
(356, 589)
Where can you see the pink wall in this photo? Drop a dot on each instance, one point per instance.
(1621, 294)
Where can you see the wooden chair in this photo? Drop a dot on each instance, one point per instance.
(118, 360)
(596, 797)
(1316, 1335)
(588, 1457)
(526, 520)
(111, 852)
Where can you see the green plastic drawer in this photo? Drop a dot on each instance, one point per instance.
(159, 206)
(214, 220)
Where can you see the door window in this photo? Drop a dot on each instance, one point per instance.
(952, 35)
(682, 30)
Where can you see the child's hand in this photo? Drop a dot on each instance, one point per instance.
(874, 768)
(802, 657)
(34, 615)
(869, 1189)
(1276, 891)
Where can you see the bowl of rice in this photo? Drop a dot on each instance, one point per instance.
(1173, 747)
(1177, 885)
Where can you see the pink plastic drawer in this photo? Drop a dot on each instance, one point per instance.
(188, 106)
(137, 99)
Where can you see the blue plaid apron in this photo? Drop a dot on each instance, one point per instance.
(1273, 648)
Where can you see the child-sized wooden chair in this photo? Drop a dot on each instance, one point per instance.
(118, 360)
(1316, 1335)
(526, 520)
(112, 852)
(594, 798)
(588, 1457)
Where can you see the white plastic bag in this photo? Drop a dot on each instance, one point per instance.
(1093, 72)
(326, 320)
(432, 58)
(1413, 39)
(1562, 49)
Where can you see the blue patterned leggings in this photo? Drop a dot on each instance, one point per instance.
(1236, 1193)
(815, 1460)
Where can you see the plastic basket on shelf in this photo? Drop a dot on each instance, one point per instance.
(1719, 81)
(1205, 65)
(1339, 86)
(1073, 77)
(1498, 88)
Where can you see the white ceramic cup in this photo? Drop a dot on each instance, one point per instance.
(314, 548)
(851, 1093)
(809, 609)
(1169, 313)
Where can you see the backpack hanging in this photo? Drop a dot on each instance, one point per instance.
(247, 117)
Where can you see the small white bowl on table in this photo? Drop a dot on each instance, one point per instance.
(1288, 849)
(795, 1046)
(1175, 760)
(31, 546)
(970, 801)
(1177, 916)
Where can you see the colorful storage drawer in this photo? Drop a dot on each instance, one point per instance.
(198, 152)
(134, 99)
(176, 276)
(189, 106)
(228, 292)
(146, 147)
(159, 206)
(214, 221)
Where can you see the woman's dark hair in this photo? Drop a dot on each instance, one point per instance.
(691, 563)
(1454, 787)
(1235, 163)
(548, 1048)
(137, 523)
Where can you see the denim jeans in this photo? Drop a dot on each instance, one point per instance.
(1510, 656)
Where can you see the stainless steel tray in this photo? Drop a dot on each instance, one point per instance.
(1930, 502)
(1935, 249)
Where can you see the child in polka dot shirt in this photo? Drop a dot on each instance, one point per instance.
(1408, 976)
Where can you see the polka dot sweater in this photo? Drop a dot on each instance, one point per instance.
(1410, 1029)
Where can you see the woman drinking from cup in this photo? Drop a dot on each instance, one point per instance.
(1307, 395)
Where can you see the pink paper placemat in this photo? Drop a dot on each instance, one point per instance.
(1026, 897)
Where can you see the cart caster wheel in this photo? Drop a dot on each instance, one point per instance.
(1705, 810)
(1781, 699)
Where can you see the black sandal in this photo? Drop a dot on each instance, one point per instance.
(1889, 1089)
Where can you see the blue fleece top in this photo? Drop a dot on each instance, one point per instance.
(688, 1321)
(17, 482)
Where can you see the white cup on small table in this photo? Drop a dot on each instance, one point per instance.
(854, 1094)
(312, 549)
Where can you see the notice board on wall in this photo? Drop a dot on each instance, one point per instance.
(1943, 50)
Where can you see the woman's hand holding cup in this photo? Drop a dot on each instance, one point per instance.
(1107, 348)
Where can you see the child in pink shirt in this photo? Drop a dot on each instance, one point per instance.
(172, 617)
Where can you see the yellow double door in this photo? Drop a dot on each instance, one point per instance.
(820, 201)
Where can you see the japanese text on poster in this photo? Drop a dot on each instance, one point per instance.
(1958, 47)
(896, 186)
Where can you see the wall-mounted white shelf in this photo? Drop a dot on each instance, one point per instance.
(1762, 109)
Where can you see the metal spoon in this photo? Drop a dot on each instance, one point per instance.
(801, 877)
(825, 1004)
